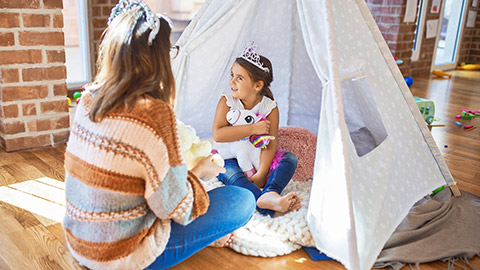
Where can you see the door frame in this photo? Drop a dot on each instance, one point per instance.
(460, 37)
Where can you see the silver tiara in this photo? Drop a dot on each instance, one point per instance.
(250, 54)
(151, 18)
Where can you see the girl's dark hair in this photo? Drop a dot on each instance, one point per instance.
(129, 68)
(259, 75)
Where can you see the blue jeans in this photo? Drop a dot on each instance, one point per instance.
(277, 181)
(218, 221)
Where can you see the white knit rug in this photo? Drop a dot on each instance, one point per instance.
(269, 237)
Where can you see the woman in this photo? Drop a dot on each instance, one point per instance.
(131, 202)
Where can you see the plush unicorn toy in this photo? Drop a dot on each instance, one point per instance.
(247, 150)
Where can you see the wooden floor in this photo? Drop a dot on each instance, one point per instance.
(31, 192)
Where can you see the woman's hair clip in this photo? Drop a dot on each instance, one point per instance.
(151, 18)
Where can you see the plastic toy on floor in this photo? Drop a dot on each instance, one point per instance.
(464, 66)
(441, 73)
(409, 81)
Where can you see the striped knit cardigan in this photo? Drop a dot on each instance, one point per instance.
(125, 180)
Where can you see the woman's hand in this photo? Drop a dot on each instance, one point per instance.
(262, 127)
(206, 169)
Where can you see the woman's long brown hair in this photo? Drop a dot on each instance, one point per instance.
(129, 68)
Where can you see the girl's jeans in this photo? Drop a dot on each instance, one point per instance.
(230, 208)
(277, 181)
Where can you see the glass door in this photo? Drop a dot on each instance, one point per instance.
(448, 39)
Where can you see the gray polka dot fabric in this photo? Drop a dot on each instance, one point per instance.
(333, 78)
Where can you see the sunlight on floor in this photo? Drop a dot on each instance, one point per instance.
(301, 260)
(42, 196)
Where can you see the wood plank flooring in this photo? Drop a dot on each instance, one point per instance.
(31, 191)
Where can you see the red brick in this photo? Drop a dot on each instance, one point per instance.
(60, 90)
(54, 56)
(58, 21)
(13, 93)
(54, 106)
(51, 4)
(9, 75)
(391, 37)
(44, 74)
(36, 20)
(20, 57)
(19, 3)
(48, 124)
(41, 38)
(96, 11)
(97, 34)
(29, 109)
(9, 111)
(7, 39)
(390, 19)
(24, 143)
(99, 23)
(14, 128)
(99, 2)
(106, 11)
(9, 20)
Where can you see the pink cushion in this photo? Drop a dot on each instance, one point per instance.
(302, 143)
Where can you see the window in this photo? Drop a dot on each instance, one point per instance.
(417, 42)
(362, 117)
(77, 51)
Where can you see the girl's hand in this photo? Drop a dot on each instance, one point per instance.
(262, 127)
(206, 169)
(258, 180)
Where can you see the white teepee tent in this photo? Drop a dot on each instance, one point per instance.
(334, 75)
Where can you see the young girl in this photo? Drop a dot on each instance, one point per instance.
(251, 76)
(131, 203)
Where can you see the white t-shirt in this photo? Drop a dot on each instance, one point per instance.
(264, 107)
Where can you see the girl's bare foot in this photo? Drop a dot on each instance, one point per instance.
(225, 241)
(279, 204)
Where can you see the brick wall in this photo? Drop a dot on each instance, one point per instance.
(424, 63)
(470, 45)
(399, 35)
(100, 10)
(33, 104)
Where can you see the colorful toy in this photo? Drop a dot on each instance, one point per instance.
(247, 155)
(261, 141)
(441, 73)
(193, 148)
(409, 81)
(437, 190)
(76, 96)
(464, 66)
(69, 101)
(427, 108)
(458, 123)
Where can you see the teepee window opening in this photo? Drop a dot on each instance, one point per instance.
(362, 116)
(417, 42)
